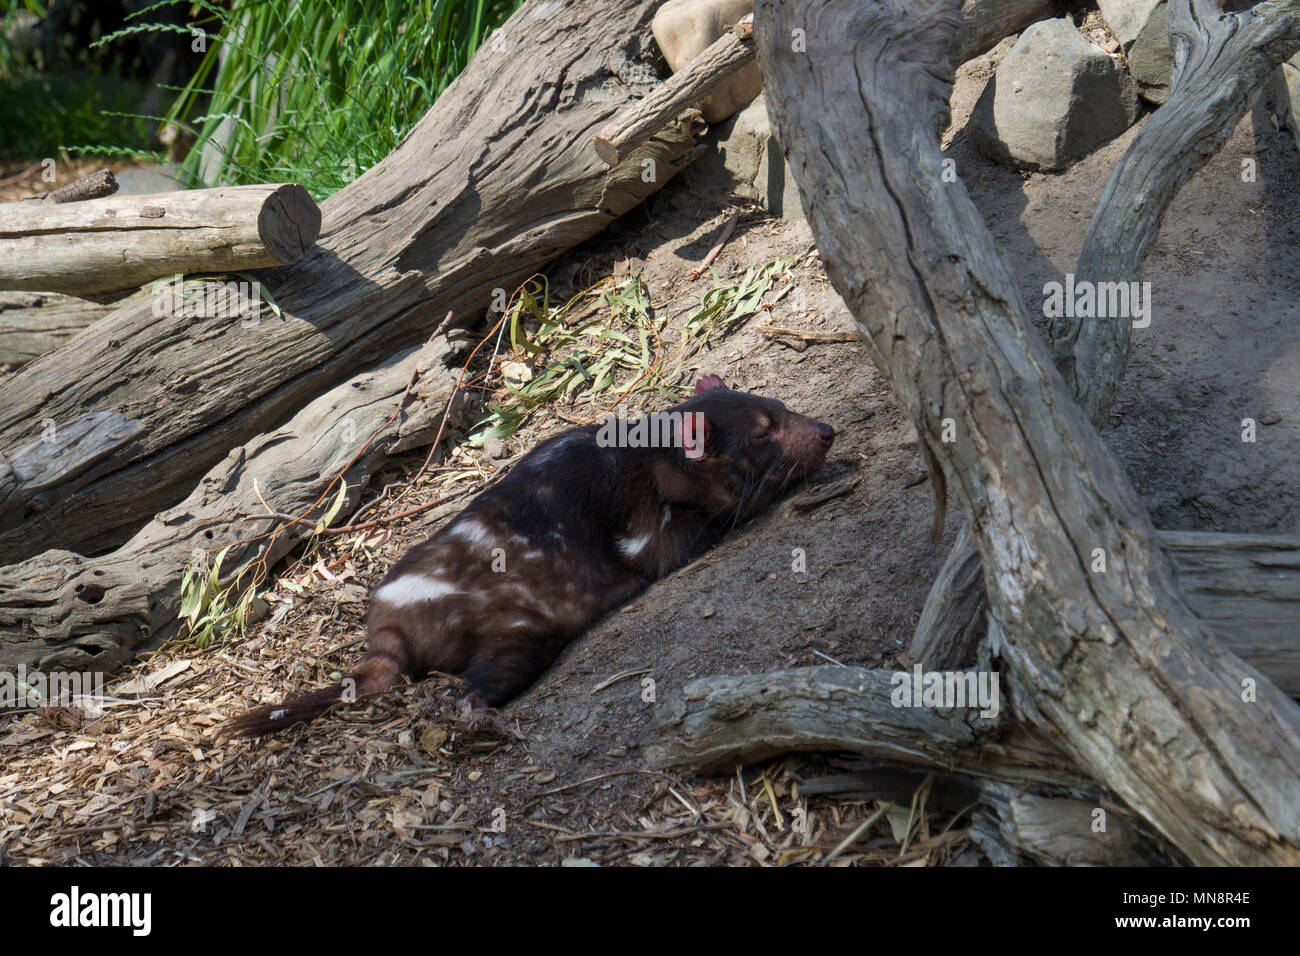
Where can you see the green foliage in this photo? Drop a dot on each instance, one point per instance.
(206, 607)
(76, 108)
(318, 91)
(212, 612)
(83, 98)
(615, 348)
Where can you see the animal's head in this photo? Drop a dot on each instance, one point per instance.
(752, 446)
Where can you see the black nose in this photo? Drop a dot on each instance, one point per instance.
(826, 432)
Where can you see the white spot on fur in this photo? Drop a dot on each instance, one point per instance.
(413, 589)
(520, 622)
(471, 531)
(668, 516)
(631, 547)
(532, 555)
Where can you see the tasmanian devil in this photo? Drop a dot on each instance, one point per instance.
(582, 523)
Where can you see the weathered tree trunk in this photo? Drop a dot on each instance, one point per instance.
(33, 323)
(1113, 663)
(1220, 64)
(495, 181)
(104, 249)
(63, 611)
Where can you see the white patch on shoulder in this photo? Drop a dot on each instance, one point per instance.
(413, 589)
(470, 530)
(631, 547)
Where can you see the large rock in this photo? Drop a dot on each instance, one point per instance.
(1284, 93)
(685, 28)
(1143, 30)
(747, 161)
(1054, 98)
(147, 180)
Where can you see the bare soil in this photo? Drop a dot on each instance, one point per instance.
(401, 780)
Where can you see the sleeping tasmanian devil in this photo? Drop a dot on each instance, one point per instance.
(581, 524)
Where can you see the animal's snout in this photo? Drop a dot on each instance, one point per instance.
(826, 434)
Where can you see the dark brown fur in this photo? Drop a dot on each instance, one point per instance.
(575, 530)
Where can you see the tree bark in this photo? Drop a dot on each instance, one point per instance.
(720, 722)
(33, 323)
(1051, 831)
(497, 179)
(1246, 587)
(101, 182)
(104, 249)
(64, 611)
(1114, 663)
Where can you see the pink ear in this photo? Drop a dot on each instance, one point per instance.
(696, 431)
(707, 383)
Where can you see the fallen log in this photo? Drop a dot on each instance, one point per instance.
(632, 127)
(1221, 64)
(1112, 663)
(104, 249)
(497, 179)
(33, 323)
(64, 611)
(1011, 825)
(721, 722)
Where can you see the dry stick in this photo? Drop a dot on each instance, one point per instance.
(100, 183)
(717, 246)
(849, 840)
(623, 675)
(810, 336)
(599, 777)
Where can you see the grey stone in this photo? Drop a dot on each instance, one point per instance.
(747, 161)
(146, 180)
(1284, 92)
(1142, 29)
(1054, 98)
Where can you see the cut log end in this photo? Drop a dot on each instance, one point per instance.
(288, 223)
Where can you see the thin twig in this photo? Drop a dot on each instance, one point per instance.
(717, 246)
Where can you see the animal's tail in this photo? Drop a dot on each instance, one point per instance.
(380, 670)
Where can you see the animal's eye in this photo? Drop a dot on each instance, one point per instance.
(761, 431)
